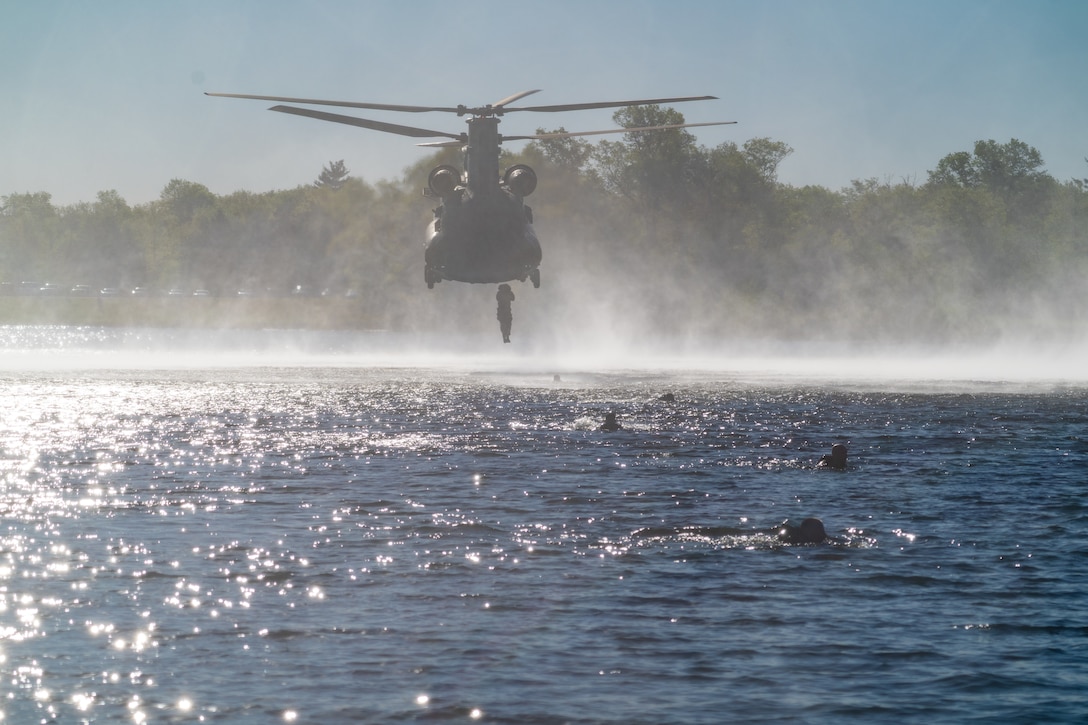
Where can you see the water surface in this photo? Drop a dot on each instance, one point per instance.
(243, 535)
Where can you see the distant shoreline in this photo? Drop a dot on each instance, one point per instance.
(315, 313)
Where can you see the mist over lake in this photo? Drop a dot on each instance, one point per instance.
(653, 238)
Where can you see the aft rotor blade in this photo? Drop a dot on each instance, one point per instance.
(609, 104)
(364, 123)
(342, 104)
(444, 144)
(515, 97)
(568, 134)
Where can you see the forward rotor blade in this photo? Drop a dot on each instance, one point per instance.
(568, 134)
(515, 97)
(364, 123)
(342, 104)
(609, 104)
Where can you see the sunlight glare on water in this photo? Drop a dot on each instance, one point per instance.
(348, 543)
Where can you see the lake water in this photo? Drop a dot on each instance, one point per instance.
(324, 530)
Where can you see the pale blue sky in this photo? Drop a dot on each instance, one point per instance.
(109, 94)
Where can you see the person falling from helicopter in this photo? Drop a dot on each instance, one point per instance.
(505, 316)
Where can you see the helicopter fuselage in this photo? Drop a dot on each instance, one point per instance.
(483, 231)
(481, 239)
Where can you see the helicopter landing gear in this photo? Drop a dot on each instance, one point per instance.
(431, 277)
(534, 277)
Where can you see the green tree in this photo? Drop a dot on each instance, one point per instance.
(187, 251)
(1081, 184)
(1005, 169)
(955, 169)
(101, 244)
(764, 155)
(564, 152)
(332, 176)
(187, 200)
(29, 225)
(656, 169)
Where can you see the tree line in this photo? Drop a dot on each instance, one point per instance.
(652, 234)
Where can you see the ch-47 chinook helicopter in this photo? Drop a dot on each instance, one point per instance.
(482, 231)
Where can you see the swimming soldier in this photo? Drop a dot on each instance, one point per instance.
(610, 424)
(836, 460)
(811, 531)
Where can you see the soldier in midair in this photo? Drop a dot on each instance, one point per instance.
(506, 317)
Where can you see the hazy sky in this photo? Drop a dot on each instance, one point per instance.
(109, 95)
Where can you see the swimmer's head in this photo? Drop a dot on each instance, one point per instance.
(811, 531)
(836, 459)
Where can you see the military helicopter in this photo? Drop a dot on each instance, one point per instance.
(482, 231)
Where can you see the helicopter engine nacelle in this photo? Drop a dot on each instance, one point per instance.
(520, 179)
(443, 180)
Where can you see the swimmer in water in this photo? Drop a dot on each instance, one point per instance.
(811, 531)
(610, 423)
(836, 460)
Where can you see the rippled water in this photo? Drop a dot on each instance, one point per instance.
(334, 540)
